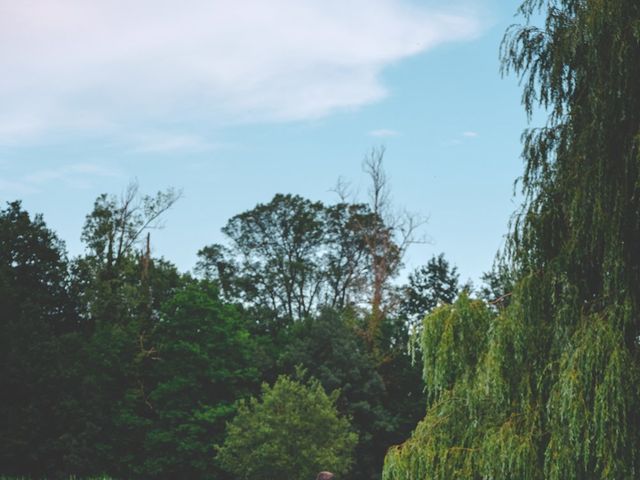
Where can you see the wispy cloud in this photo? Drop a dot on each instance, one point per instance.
(18, 126)
(72, 64)
(383, 132)
(171, 143)
(18, 188)
(462, 138)
(77, 175)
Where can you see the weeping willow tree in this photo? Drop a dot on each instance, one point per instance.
(550, 386)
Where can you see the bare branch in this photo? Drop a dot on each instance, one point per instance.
(379, 194)
(342, 188)
(153, 208)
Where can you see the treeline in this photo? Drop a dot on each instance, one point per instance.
(116, 363)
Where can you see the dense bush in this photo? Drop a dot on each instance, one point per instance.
(292, 431)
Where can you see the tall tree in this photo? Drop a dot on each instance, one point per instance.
(202, 363)
(121, 289)
(292, 255)
(116, 225)
(346, 263)
(111, 233)
(279, 243)
(556, 390)
(386, 242)
(35, 310)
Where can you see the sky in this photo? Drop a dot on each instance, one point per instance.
(233, 102)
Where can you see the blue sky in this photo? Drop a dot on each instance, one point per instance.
(235, 101)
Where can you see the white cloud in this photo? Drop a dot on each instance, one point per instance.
(74, 64)
(9, 187)
(383, 132)
(17, 126)
(77, 175)
(171, 143)
(464, 137)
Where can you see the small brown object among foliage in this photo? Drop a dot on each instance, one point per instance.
(325, 476)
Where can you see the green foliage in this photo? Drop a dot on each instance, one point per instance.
(132, 369)
(594, 406)
(165, 394)
(468, 431)
(110, 276)
(292, 256)
(201, 365)
(453, 339)
(279, 244)
(329, 348)
(429, 286)
(35, 309)
(293, 431)
(115, 225)
(554, 392)
(498, 283)
(122, 366)
(33, 270)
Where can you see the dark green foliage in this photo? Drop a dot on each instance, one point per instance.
(33, 270)
(35, 309)
(162, 395)
(383, 401)
(347, 259)
(302, 269)
(429, 286)
(123, 366)
(278, 244)
(201, 364)
(292, 256)
(331, 350)
(555, 392)
(215, 264)
(292, 431)
(498, 283)
(104, 278)
(453, 339)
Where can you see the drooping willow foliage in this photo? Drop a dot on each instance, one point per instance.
(550, 386)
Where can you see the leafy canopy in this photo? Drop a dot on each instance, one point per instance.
(292, 431)
(555, 392)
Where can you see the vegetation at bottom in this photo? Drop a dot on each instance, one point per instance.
(293, 431)
(115, 363)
